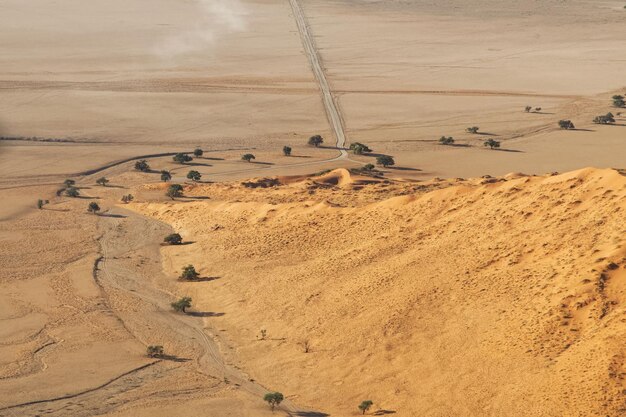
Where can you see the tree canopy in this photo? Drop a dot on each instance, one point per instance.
(273, 399)
(316, 140)
(385, 160)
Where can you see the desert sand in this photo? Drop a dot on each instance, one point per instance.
(462, 281)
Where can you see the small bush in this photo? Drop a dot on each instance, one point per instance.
(473, 129)
(316, 140)
(142, 166)
(385, 160)
(189, 272)
(127, 198)
(198, 152)
(102, 181)
(528, 109)
(173, 239)
(566, 124)
(182, 304)
(446, 140)
(604, 120)
(273, 399)
(247, 157)
(365, 405)
(69, 183)
(174, 190)
(359, 148)
(72, 192)
(166, 176)
(286, 150)
(93, 207)
(181, 158)
(155, 351)
(368, 167)
(492, 143)
(41, 203)
(618, 101)
(194, 175)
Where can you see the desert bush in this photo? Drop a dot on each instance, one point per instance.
(286, 150)
(359, 148)
(165, 176)
(93, 207)
(566, 124)
(492, 143)
(316, 140)
(368, 167)
(174, 190)
(273, 399)
(41, 203)
(182, 304)
(473, 129)
(127, 198)
(537, 109)
(69, 183)
(528, 109)
(189, 272)
(198, 152)
(173, 239)
(385, 160)
(155, 351)
(142, 166)
(247, 157)
(72, 192)
(181, 158)
(102, 181)
(618, 101)
(194, 175)
(446, 140)
(365, 405)
(606, 119)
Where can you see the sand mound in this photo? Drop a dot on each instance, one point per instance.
(504, 298)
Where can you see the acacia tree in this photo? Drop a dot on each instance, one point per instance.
(385, 160)
(173, 239)
(198, 152)
(93, 207)
(492, 143)
(181, 158)
(194, 175)
(166, 176)
(142, 166)
(189, 272)
(102, 181)
(182, 304)
(273, 399)
(368, 167)
(287, 150)
(365, 405)
(473, 129)
(69, 183)
(359, 148)
(174, 190)
(604, 120)
(528, 109)
(618, 101)
(446, 140)
(316, 140)
(155, 351)
(72, 192)
(127, 198)
(248, 157)
(41, 203)
(566, 124)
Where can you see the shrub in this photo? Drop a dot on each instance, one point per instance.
(189, 272)
(127, 198)
(528, 109)
(273, 399)
(473, 129)
(247, 157)
(359, 148)
(198, 152)
(446, 140)
(537, 109)
(173, 239)
(606, 119)
(165, 176)
(194, 175)
(492, 143)
(142, 166)
(69, 183)
(316, 140)
(385, 160)
(566, 124)
(174, 190)
(102, 181)
(72, 192)
(365, 405)
(182, 304)
(368, 167)
(286, 150)
(181, 158)
(93, 207)
(155, 351)
(618, 101)
(41, 203)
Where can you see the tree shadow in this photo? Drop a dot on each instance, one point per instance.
(204, 314)
(383, 412)
(540, 112)
(114, 216)
(196, 164)
(261, 163)
(300, 156)
(581, 130)
(460, 145)
(506, 150)
(173, 358)
(199, 279)
(115, 186)
(404, 169)
(85, 197)
(310, 414)
(212, 158)
(51, 209)
(485, 134)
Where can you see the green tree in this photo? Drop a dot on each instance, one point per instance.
(72, 192)
(316, 140)
(492, 143)
(198, 152)
(102, 181)
(248, 157)
(142, 166)
(286, 150)
(359, 148)
(174, 190)
(273, 399)
(189, 272)
(173, 239)
(194, 175)
(606, 119)
(566, 124)
(127, 198)
(385, 160)
(618, 101)
(446, 140)
(93, 207)
(473, 129)
(182, 304)
(165, 176)
(368, 167)
(365, 405)
(69, 183)
(181, 158)
(155, 351)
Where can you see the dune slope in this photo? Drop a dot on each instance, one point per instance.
(487, 297)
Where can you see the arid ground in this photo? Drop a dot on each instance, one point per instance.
(462, 281)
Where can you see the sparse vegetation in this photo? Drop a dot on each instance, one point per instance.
(618, 101)
(287, 150)
(604, 120)
(528, 109)
(446, 140)
(273, 399)
(127, 198)
(194, 175)
(263, 333)
(316, 140)
(69, 183)
(365, 405)
(72, 192)
(102, 181)
(537, 109)
(93, 207)
(306, 345)
(247, 157)
(182, 304)
(566, 124)
(41, 203)
(173, 239)
(166, 176)
(385, 160)
(182, 158)
(473, 129)
(368, 167)
(359, 148)
(189, 272)
(174, 190)
(198, 152)
(155, 351)
(142, 166)
(492, 143)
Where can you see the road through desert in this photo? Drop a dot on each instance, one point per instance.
(479, 275)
